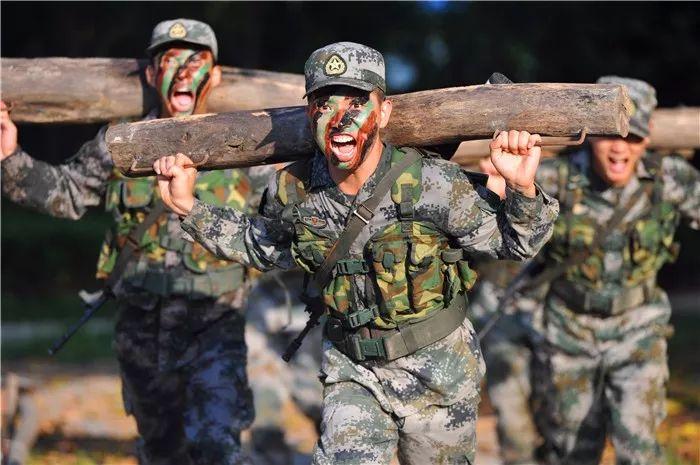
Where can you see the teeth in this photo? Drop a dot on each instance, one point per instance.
(342, 138)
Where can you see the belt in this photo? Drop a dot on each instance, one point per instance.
(582, 301)
(210, 284)
(398, 342)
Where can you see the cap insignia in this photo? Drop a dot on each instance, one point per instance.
(335, 66)
(177, 31)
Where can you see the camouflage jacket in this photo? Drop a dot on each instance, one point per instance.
(472, 217)
(171, 264)
(628, 259)
(643, 241)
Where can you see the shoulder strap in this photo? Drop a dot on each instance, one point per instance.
(361, 217)
(133, 244)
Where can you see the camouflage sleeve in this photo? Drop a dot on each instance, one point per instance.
(262, 241)
(682, 187)
(484, 226)
(547, 176)
(64, 191)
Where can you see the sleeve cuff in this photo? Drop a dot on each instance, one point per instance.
(521, 206)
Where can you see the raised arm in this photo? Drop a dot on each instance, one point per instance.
(262, 241)
(514, 228)
(64, 191)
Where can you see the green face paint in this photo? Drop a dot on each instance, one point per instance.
(182, 79)
(344, 126)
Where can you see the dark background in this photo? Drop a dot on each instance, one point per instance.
(427, 45)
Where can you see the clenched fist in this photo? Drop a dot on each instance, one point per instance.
(8, 133)
(516, 157)
(176, 182)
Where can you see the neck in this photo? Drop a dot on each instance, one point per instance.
(350, 182)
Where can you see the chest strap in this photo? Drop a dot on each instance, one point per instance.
(399, 342)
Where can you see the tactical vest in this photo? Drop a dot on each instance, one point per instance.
(203, 274)
(645, 244)
(413, 272)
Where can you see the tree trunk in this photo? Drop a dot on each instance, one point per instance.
(87, 90)
(672, 129)
(421, 118)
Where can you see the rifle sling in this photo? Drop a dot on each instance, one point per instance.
(360, 217)
(133, 244)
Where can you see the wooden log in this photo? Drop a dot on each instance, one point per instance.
(432, 117)
(673, 130)
(87, 90)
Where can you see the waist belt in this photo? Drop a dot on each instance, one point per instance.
(399, 342)
(210, 284)
(596, 302)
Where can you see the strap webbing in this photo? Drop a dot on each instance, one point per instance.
(360, 217)
(132, 244)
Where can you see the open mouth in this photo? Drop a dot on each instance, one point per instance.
(343, 146)
(618, 165)
(182, 100)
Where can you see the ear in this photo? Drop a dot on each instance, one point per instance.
(151, 75)
(385, 113)
(215, 76)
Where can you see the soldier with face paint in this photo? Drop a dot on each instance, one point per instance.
(179, 336)
(602, 368)
(401, 364)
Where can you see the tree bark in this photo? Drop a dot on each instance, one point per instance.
(87, 90)
(431, 117)
(672, 129)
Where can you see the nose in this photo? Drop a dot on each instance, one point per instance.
(619, 145)
(182, 72)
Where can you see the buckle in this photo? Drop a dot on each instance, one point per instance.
(362, 348)
(361, 317)
(351, 266)
(363, 213)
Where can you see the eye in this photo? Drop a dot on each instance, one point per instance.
(357, 106)
(324, 107)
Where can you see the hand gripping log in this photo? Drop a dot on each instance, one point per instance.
(433, 117)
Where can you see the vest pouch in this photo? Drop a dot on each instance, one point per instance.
(311, 243)
(426, 281)
(388, 253)
(337, 294)
(466, 274)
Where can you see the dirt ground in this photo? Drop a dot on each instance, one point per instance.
(82, 422)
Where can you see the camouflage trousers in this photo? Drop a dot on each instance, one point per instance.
(183, 367)
(601, 377)
(422, 407)
(507, 350)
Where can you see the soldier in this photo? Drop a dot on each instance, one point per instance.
(381, 231)
(603, 368)
(180, 331)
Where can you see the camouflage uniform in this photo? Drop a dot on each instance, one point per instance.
(603, 368)
(401, 268)
(507, 349)
(179, 335)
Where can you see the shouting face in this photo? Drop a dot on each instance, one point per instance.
(183, 79)
(615, 158)
(345, 123)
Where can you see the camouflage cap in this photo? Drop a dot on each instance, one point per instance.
(345, 63)
(189, 31)
(643, 97)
